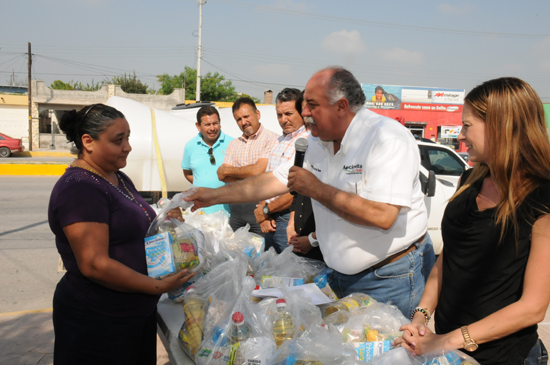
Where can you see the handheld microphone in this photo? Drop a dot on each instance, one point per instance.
(301, 147)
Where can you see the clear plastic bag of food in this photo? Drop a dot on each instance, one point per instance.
(220, 287)
(289, 316)
(191, 332)
(288, 269)
(371, 330)
(238, 338)
(171, 245)
(400, 356)
(317, 346)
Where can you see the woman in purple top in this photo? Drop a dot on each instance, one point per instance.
(104, 308)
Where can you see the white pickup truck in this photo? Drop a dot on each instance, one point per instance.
(159, 137)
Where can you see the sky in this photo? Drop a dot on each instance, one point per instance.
(273, 44)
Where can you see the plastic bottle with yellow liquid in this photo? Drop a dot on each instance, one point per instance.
(283, 324)
(352, 302)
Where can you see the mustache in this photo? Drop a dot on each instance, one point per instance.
(309, 121)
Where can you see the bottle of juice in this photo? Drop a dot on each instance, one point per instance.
(350, 303)
(283, 325)
(239, 332)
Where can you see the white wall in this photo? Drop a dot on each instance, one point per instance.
(14, 121)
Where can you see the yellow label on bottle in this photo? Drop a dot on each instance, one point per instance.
(351, 304)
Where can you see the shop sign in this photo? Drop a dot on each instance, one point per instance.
(413, 98)
(450, 131)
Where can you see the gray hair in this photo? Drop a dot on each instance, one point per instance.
(343, 84)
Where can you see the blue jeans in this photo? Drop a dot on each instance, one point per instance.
(400, 283)
(537, 355)
(278, 239)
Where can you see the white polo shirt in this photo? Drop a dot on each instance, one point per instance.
(378, 160)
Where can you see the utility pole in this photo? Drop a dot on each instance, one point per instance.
(30, 98)
(199, 53)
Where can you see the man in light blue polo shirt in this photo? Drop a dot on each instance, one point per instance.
(205, 153)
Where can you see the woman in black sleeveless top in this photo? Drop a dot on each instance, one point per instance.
(491, 285)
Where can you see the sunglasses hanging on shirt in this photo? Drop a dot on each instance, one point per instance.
(212, 158)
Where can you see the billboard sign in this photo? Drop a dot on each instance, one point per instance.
(413, 98)
(450, 131)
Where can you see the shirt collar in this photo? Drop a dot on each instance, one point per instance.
(255, 135)
(295, 133)
(220, 139)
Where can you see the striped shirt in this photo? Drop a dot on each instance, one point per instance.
(285, 150)
(244, 151)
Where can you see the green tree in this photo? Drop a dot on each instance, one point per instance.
(214, 87)
(60, 85)
(187, 79)
(129, 83)
(72, 85)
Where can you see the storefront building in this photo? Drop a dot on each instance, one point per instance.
(431, 113)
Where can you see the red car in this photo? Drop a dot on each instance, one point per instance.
(9, 145)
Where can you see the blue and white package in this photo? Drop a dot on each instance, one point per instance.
(366, 351)
(158, 253)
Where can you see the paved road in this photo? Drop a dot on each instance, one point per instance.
(28, 256)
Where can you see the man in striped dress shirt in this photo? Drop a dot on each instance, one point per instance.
(273, 214)
(246, 156)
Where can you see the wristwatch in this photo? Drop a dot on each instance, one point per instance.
(313, 241)
(469, 344)
(266, 210)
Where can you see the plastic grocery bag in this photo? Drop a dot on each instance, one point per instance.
(317, 346)
(170, 245)
(400, 356)
(250, 243)
(221, 288)
(190, 334)
(238, 338)
(216, 223)
(371, 330)
(217, 291)
(288, 269)
(300, 315)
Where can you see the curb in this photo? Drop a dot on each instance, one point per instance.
(33, 169)
(51, 153)
(32, 311)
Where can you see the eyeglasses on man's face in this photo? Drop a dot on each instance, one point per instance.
(212, 158)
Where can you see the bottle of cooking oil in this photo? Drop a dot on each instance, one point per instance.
(350, 303)
(283, 324)
(239, 332)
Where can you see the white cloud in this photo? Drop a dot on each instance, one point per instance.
(455, 9)
(403, 56)
(273, 70)
(344, 42)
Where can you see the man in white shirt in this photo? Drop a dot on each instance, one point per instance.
(361, 171)
(273, 214)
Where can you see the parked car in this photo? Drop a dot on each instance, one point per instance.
(9, 145)
(444, 161)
